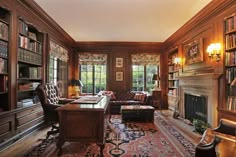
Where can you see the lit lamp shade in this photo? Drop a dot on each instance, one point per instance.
(77, 84)
(156, 78)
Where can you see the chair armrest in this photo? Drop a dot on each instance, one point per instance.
(226, 127)
(65, 100)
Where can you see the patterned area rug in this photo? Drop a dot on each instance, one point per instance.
(158, 139)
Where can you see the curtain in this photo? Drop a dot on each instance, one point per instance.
(92, 59)
(58, 52)
(145, 59)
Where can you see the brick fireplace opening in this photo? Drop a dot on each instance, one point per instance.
(205, 85)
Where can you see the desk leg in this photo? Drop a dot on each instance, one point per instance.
(102, 146)
(60, 143)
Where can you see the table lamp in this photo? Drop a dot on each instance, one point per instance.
(77, 84)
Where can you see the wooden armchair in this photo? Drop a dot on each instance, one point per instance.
(211, 137)
(49, 98)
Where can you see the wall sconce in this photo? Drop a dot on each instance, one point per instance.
(213, 51)
(177, 60)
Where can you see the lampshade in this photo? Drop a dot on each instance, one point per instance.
(76, 83)
(155, 77)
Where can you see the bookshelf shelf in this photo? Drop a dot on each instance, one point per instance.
(229, 107)
(3, 21)
(173, 81)
(4, 50)
(29, 56)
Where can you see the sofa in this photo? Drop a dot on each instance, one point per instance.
(119, 98)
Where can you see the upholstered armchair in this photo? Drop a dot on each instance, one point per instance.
(48, 95)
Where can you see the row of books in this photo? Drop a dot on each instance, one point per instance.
(23, 27)
(25, 103)
(173, 76)
(230, 24)
(231, 103)
(31, 45)
(173, 92)
(230, 41)
(173, 83)
(29, 57)
(3, 83)
(171, 60)
(230, 74)
(173, 68)
(3, 65)
(28, 86)
(30, 72)
(3, 31)
(3, 49)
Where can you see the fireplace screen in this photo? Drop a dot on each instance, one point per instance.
(195, 107)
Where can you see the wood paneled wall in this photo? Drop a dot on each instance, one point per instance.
(119, 50)
(208, 24)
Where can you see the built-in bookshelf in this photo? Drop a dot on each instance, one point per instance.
(29, 68)
(230, 64)
(4, 50)
(173, 82)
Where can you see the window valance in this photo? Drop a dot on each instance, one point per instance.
(92, 59)
(58, 52)
(145, 59)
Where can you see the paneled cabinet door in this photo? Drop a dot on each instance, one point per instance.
(156, 99)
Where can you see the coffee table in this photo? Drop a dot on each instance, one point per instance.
(137, 113)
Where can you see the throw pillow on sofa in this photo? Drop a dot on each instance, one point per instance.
(140, 97)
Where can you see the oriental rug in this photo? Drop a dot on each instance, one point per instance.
(158, 139)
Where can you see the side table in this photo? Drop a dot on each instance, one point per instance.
(156, 99)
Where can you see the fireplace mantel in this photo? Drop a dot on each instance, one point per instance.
(201, 84)
(213, 76)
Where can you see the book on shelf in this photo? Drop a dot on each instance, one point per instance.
(32, 35)
(3, 49)
(230, 23)
(231, 103)
(230, 58)
(23, 27)
(3, 83)
(230, 41)
(3, 31)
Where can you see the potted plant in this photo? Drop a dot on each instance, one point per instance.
(200, 126)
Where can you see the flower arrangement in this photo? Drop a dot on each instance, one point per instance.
(200, 126)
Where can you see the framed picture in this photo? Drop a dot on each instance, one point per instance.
(119, 76)
(194, 52)
(119, 63)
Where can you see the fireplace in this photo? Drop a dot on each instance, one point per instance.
(204, 86)
(195, 107)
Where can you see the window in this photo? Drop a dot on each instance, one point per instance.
(93, 72)
(93, 78)
(142, 77)
(143, 68)
(52, 70)
(57, 69)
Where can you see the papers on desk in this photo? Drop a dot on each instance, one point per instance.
(87, 100)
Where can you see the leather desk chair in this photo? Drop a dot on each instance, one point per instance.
(48, 95)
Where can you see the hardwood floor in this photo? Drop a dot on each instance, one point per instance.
(23, 145)
(20, 147)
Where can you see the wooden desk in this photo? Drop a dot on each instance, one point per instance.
(83, 123)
